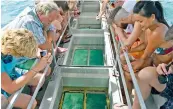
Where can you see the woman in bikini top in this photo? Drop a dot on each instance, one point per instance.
(164, 53)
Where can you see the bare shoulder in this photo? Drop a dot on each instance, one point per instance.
(160, 31)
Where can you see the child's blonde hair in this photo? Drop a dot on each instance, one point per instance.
(19, 42)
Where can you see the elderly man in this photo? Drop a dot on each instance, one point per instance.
(38, 20)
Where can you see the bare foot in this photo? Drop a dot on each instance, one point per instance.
(61, 50)
(120, 106)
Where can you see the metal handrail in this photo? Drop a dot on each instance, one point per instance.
(136, 86)
(46, 69)
(62, 33)
(38, 87)
(121, 71)
(60, 38)
(16, 95)
(132, 74)
(10, 106)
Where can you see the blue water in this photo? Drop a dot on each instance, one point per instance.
(11, 8)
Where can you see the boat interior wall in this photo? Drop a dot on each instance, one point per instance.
(74, 77)
(89, 40)
(90, 6)
(87, 21)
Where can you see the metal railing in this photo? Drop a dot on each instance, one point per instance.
(46, 69)
(136, 86)
(121, 71)
(10, 106)
(142, 104)
(16, 95)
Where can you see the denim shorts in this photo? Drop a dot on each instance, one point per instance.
(168, 104)
(166, 93)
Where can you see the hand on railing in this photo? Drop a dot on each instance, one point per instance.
(125, 49)
(47, 59)
(136, 65)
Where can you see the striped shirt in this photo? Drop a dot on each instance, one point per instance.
(28, 19)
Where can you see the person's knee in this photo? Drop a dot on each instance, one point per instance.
(23, 101)
(34, 104)
(147, 74)
(36, 79)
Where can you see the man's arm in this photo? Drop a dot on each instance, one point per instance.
(39, 35)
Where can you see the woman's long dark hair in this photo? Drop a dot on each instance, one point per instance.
(147, 8)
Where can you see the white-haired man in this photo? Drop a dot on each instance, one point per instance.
(38, 20)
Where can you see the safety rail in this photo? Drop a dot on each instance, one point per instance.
(136, 86)
(10, 106)
(57, 44)
(46, 69)
(121, 71)
(16, 95)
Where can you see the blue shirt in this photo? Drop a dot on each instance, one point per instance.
(28, 19)
(9, 69)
